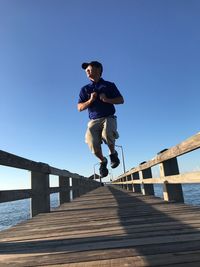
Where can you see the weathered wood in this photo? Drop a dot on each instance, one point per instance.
(84, 185)
(171, 192)
(142, 261)
(65, 189)
(40, 192)
(122, 180)
(11, 160)
(107, 227)
(147, 189)
(136, 187)
(58, 172)
(184, 178)
(170, 177)
(75, 188)
(184, 147)
(126, 184)
(12, 195)
(129, 186)
(40, 201)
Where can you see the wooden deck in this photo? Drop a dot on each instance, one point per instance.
(107, 227)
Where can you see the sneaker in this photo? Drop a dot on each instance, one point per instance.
(114, 160)
(103, 168)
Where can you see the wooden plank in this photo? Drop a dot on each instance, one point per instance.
(106, 227)
(143, 261)
(97, 256)
(12, 195)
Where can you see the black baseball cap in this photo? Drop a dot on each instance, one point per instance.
(92, 63)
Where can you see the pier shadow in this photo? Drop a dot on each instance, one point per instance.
(160, 232)
(144, 229)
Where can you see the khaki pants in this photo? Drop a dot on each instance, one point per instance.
(102, 129)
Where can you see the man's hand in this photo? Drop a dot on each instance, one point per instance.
(103, 97)
(93, 97)
(116, 100)
(85, 105)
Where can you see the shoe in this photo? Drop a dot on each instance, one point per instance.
(103, 168)
(114, 160)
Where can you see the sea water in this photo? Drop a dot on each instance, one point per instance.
(191, 193)
(12, 213)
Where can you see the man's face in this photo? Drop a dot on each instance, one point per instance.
(92, 72)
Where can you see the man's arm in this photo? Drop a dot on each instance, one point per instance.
(114, 101)
(85, 105)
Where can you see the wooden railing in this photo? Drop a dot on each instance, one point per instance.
(139, 179)
(40, 190)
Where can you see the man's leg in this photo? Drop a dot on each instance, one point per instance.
(109, 134)
(99, 155)
(111, 148)
(93, 138)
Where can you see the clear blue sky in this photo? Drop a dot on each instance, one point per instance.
(149, 48)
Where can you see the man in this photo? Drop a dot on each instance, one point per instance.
(99, 97)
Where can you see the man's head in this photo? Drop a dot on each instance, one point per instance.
(93, 69)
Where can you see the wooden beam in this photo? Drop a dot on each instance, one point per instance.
(171, 192)
(136, 187)
(12, 195)
(40, 201)
(184, 147)
(185, 178)
(147, 189)
(65, 189)
(11, 160)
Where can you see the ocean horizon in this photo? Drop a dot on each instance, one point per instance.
(14, 212)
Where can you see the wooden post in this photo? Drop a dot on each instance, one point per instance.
(121, 185)
(147, 189)
(65, 189)
(84, 186)
(40, 201)
(75, 189)
(171, 192)
(125, 185)
(121, 180)
(136, 187)
(129, 186)
(81, 186)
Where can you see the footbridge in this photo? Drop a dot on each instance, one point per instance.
(121, 224)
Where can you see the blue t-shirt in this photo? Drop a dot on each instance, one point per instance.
(98, 108)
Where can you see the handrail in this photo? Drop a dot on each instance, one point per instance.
(40, 190)
(185, 178)
(11, 160)
(184, 147)
(139, 179)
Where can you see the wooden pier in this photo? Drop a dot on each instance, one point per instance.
(107, 227)
(116, 225)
